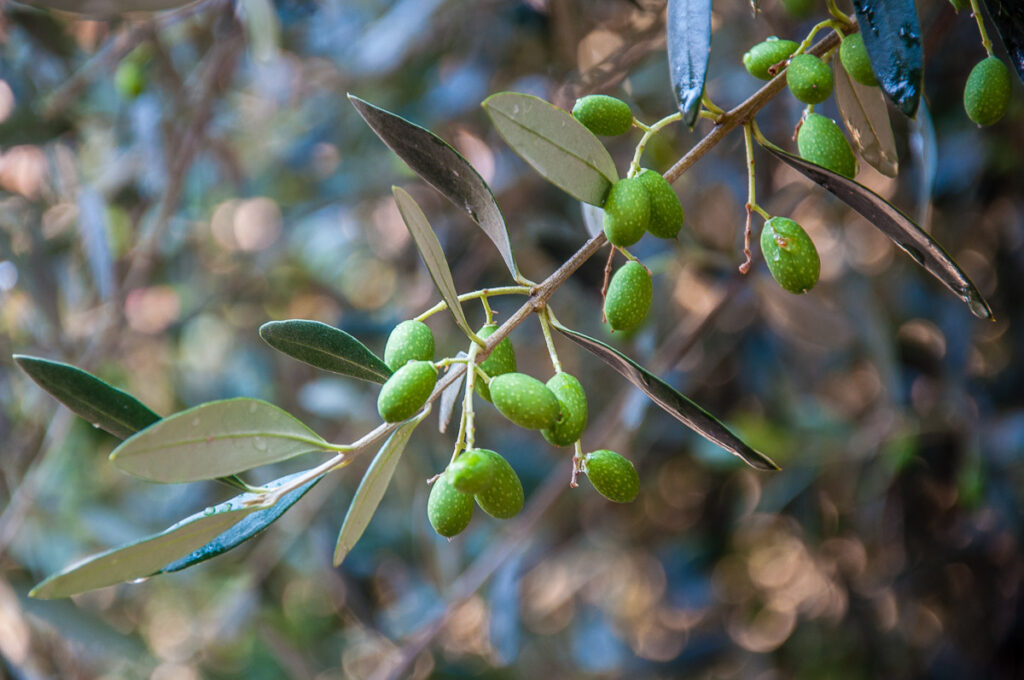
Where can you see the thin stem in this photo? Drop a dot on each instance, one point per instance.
(482, 293)
(607, 277)
(649, 132)
(448, 361)
(976, 13)
(827, 23)
(628, 255)
(710, 105)
(487, 308)
(838, 15)
(467, 401)
(545, 327)
(577, 462)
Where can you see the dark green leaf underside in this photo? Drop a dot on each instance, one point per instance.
(443, 168)
(892, 37)
(1008, 16)
(689, 48)
(325, 347)
(898, 227)
(103, 405)
(668, 398)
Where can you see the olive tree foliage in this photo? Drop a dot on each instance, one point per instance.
(217, 169)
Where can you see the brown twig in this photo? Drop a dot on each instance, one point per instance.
(604, 286)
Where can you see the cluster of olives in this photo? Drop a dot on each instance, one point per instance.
(558, 409)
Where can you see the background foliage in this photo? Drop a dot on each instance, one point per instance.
(147, 238)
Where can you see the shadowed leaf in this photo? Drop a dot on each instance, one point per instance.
(689, 48)
(325, 347)
(443, 168)
(1008, 16)
(892, 37)
(108, 8)
(669, 399)
(866, 117)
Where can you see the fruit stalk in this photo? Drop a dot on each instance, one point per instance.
(976, 13)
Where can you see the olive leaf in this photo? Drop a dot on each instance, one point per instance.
(148, 556)
(248, 527)
(866, 117)
(689, 48)
(892, 37)
(325, 347)
(898, 227)
(215, 439)
(372, 487)
(430, 250)
(668, 398)
(593, 219)
(1008, 16)
(105, 9)
(554, 144)
(450, 394)
(443, 168)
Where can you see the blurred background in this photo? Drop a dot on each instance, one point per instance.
(169, 182)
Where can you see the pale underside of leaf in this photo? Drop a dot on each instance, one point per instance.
(108, 8)
(555, 144)
(866, 116)
(371, 489)
(593, 219)
(450, 394)
(215, 439)
(430, 250)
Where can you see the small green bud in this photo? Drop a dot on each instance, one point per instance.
(573, 402)
(410, 340)
(525, 401)
(129, 79)
(821, 141)
(987, 92)
(406, 391)
(472, 471)
(764, 55)
(502, 360)
(627, 212)
(809, 79)
(504, 497)
(854, 58)
(629, 297)
(613, 476)
(603, 115)
(448, 510)
(791, 256)
(666, 211)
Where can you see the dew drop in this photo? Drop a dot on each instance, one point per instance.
(139, 580)
(97, 425)
(209, 511)
(978, 307)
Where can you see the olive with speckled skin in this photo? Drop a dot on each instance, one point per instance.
(627, 212)
(448, 509)
(809, 78)
(629, 297)
(504, 497)
(573, 402)
(854, 57)
(501, 360)
(790, 254)
(603, 115)
(410, 340)
(406, 391)
(987, 92)
(666, 218)
(472, 471)
(764, 55)
(820, 141)
(525, 401)
(613, 476)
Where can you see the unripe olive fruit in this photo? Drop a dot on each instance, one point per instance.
(764, 55)
(525, 401)
(627, 212)
(573, 402)
(472, 471)
(130, 79)
(448, 509)
(854, 58)
(629, 297)
(603, 115)
(791, 256)
(987, 92)
(504, 497)
(406, 391)
(500, 361)
(799, 8)
(809, 79)
(410, 340)
(613, 476)
(821, 141)
(666, 211)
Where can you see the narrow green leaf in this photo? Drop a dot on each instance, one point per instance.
(892, 37)
(443, 168)
(902, 230)
(249, 527)
(325, 347)
(105, 9)
(430, 250)
(146, 557)
(689, 48)
(1008, 16)
(669, 399)
(866, 116)
(371, 489)
(215, 439)
(555, 144)
(103, 405)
